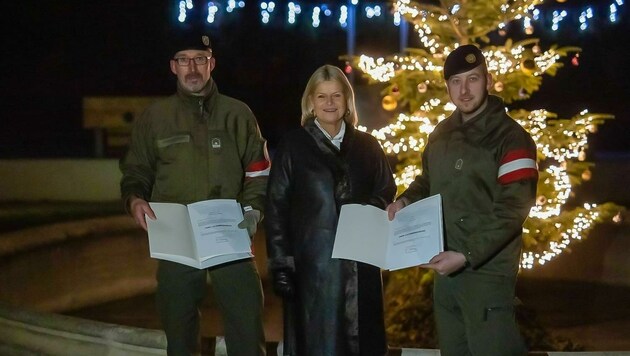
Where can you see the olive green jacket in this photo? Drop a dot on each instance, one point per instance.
(486, 172)
(188, 148)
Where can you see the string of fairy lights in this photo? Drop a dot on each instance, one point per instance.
(383, 70)
(292, 12)
(549, 207)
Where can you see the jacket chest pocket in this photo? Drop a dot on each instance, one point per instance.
(173, 171)
(173, 148)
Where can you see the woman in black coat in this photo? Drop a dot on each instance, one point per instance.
(316, 169)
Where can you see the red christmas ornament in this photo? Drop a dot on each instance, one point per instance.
(575, 60)
(347, 69)
(395, 91)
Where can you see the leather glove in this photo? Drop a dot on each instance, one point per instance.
(250, 221)
(283, 283)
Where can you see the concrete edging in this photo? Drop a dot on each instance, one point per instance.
(54, 334)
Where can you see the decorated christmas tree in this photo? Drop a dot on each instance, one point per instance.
(415, 92)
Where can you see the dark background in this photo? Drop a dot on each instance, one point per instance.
(57, 52)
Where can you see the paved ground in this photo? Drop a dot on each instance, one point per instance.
(594, 316)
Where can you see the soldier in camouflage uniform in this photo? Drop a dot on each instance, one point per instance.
(196, 145)
(483, 163)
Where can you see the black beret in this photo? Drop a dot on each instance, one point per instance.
(187, 39)
(463, 59)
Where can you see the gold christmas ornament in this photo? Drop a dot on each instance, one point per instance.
(586, 175)
(498, 86)
(422, 88)
(528, 66)
(592, 128)
(389, 103)
(617, 218)
(541, 200)
(561, 1)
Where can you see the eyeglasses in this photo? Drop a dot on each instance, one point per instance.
(185, 61)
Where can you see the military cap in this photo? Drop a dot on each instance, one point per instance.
(184, 39)
(463, 59)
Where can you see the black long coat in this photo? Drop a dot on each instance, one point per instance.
(339, 305)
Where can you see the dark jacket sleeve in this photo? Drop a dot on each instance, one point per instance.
(256, 164)
(277, 212)
(138, 165)
(419, 188)
(512, 205)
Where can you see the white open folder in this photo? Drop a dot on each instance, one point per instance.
(200, 234)
(365, 234)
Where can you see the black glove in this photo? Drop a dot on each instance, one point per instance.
(283, 283)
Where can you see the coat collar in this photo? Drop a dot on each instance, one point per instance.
(210, 91)
(324, 143)
(338, 137)
(333, 158)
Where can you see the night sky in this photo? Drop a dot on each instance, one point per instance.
(57, 52)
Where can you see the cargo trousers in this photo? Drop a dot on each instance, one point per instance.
(475, 315)
(238, 293)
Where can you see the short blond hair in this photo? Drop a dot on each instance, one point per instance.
(329, 73)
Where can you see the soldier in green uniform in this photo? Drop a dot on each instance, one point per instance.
(483, 163)
(196, 145)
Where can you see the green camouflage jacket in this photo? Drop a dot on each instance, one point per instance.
(486, 172)
(186, 148)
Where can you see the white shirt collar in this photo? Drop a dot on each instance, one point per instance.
(338, 137)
